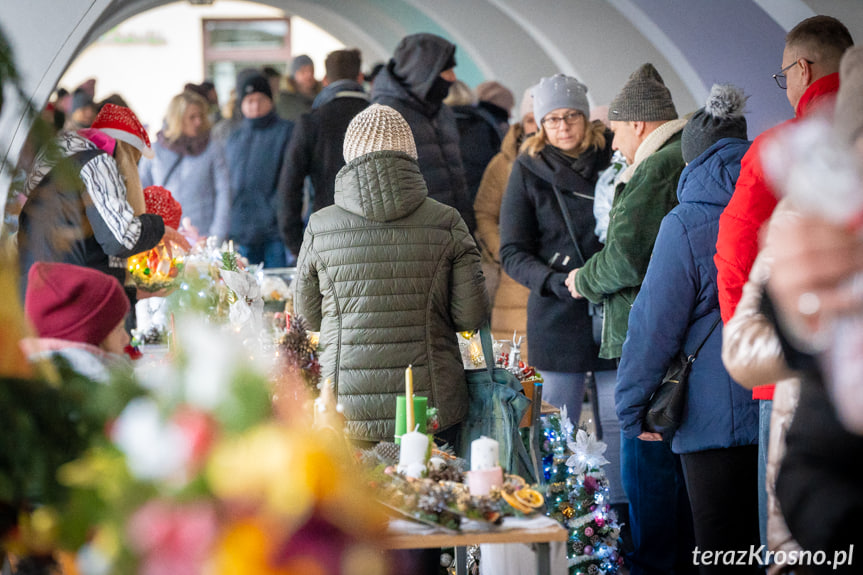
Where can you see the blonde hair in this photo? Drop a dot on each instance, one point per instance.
(594, 137)
(177, 108)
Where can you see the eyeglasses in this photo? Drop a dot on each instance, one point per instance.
(554, 121)
(780, 78)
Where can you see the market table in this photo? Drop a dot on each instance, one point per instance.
(541, 530)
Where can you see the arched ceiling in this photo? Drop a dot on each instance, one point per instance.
(693, 44)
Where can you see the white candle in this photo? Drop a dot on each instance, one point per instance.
(412, 456)
(484, 454)
(409, 399)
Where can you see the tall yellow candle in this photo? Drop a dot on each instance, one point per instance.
(409, 399)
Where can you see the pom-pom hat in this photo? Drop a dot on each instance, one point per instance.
(375, 129)
(161, 202)
(122, 124)
(73, 303)
(721, 117)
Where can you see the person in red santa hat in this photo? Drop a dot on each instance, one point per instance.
(85, 205)
(78, 315)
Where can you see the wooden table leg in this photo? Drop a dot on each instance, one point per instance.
(543, 559)
(461, 561)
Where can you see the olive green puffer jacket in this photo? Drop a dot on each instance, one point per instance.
(389, 276)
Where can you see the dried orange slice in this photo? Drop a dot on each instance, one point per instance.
(515, 503)
(530, 497)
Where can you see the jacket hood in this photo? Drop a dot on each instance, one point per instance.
(416, 64)
(711, 177)
(381, 186)
(340, 89)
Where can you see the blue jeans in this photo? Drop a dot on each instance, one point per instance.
(272, 254)
(560, 388)
(605, 382)
(659, 514)
(765, 408)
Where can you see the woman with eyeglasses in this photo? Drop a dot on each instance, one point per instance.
(547, 229)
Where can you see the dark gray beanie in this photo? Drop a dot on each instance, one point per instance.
(644, 98)
(721, 117)
(559, 91)
(299, 62)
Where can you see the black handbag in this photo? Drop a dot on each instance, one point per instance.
(665, 407)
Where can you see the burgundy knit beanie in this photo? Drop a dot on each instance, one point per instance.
(74, 303)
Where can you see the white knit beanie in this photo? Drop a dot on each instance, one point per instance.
(378, 128)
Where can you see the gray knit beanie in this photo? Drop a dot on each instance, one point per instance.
(721, 117)
(559, 91)
(375, 129)
(644, 98)
(849, 104)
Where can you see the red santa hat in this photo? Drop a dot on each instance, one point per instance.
(122, 124)
(159, 201)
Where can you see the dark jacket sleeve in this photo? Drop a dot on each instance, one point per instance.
(469, 303)
(519, 239)
(290, 192)
(658, 324)
(119, 232)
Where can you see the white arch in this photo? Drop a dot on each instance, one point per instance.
(666, 47)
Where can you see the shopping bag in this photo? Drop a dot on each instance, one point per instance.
(496, 406)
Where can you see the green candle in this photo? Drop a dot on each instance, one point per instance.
(420, 407)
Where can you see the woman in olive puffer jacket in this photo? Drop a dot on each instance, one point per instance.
(389, 276)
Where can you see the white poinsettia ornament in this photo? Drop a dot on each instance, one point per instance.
(249, 307)
(587, 452)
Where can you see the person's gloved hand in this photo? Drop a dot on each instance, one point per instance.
(555, 285)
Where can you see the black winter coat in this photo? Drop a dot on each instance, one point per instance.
(480, 136)
(537, 251)
(315, 151)
(404, 85)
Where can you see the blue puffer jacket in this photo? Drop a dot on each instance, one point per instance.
(676, 308)
(255, 152)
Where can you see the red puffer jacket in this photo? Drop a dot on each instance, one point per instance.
(750, 206)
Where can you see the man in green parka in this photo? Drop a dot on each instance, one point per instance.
(647, 132)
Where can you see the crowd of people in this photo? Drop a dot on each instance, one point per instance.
(615, 238)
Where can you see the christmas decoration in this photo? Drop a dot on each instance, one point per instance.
(298, 352)
(159, 268)
(577, 496)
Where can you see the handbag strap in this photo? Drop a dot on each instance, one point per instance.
(487, 348)
(567, 219)
(694, 354)
(171, 171)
